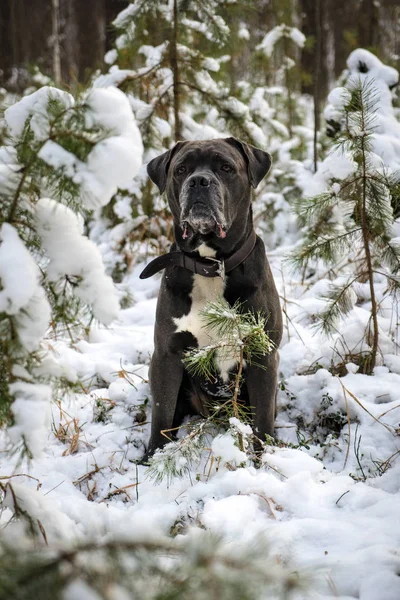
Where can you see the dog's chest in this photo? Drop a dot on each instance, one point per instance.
(205, 289)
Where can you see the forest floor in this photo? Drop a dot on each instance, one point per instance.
(326, 498)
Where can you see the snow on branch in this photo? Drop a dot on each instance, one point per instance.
(279, 32)
(73, 254)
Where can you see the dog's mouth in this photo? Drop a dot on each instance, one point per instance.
(204, 218)
(190, 228)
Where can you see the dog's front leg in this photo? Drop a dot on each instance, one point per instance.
(261, 386)
(166, 373)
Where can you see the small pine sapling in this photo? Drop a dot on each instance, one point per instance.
(242, 338)
(52, 278)
(354, 220)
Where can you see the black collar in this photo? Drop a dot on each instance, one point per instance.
(208, 267)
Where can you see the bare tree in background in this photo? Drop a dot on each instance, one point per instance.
(56, 41)
(316, 78)
(67, 39)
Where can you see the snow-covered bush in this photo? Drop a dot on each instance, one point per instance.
(61, 158)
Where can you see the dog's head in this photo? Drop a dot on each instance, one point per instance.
(208, 186)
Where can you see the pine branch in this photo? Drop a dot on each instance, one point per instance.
(391, 255)
(340, 300)
(379, 212)
(310, 209)
(195, 565)
(329, 249)
(176, 459)
(239, 333)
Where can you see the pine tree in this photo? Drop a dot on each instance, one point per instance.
(171, 60)
(282, 41)
(354, 218)
(51, 276)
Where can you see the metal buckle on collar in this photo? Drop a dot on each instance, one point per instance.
(221, 266)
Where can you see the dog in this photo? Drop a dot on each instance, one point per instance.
(216, 254)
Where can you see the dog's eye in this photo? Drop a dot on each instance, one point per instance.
(227, 168)
(181, 170)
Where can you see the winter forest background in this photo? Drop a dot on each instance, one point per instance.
(92, 90)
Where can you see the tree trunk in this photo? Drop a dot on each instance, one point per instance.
(56, 41)
(316, 82)
(368, 24)
(25, 27)
(175, 72)
(373, 340)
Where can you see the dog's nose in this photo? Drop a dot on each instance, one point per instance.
(199, 180)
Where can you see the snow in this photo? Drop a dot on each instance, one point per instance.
(98, 177)
(16, 265)
(303, 502)
(79, 590)
(225, 448)
(365, 68)
(269, 41)
(113, 161)
(73, 254)
(26, 303)
(114, 77)
(126, 16)
(337, 165)
(373, 66)
(297, 37)
(34, 108)
(280, 31)
(110, 109)
(111, 57)
(243, 32)
(337, 99)
(31, 411)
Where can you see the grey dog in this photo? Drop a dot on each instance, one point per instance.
(216, 254)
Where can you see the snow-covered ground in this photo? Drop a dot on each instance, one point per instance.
(325, 509)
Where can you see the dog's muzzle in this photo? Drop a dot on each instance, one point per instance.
(202, 206)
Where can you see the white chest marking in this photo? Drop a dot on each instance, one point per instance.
(205, 289)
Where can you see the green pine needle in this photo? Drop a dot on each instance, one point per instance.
(238, 333)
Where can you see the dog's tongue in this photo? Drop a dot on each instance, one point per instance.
(185, 233)
(221, 231)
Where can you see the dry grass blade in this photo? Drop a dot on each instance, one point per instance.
(269, 502)
(348, 423)
(72, 438)
(39, 484)
(389, 410)
(388, 427)
(121, 490)
(68, 432)
(87, 475)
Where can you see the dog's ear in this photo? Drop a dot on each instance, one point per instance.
(258, 161)
(157, 168)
